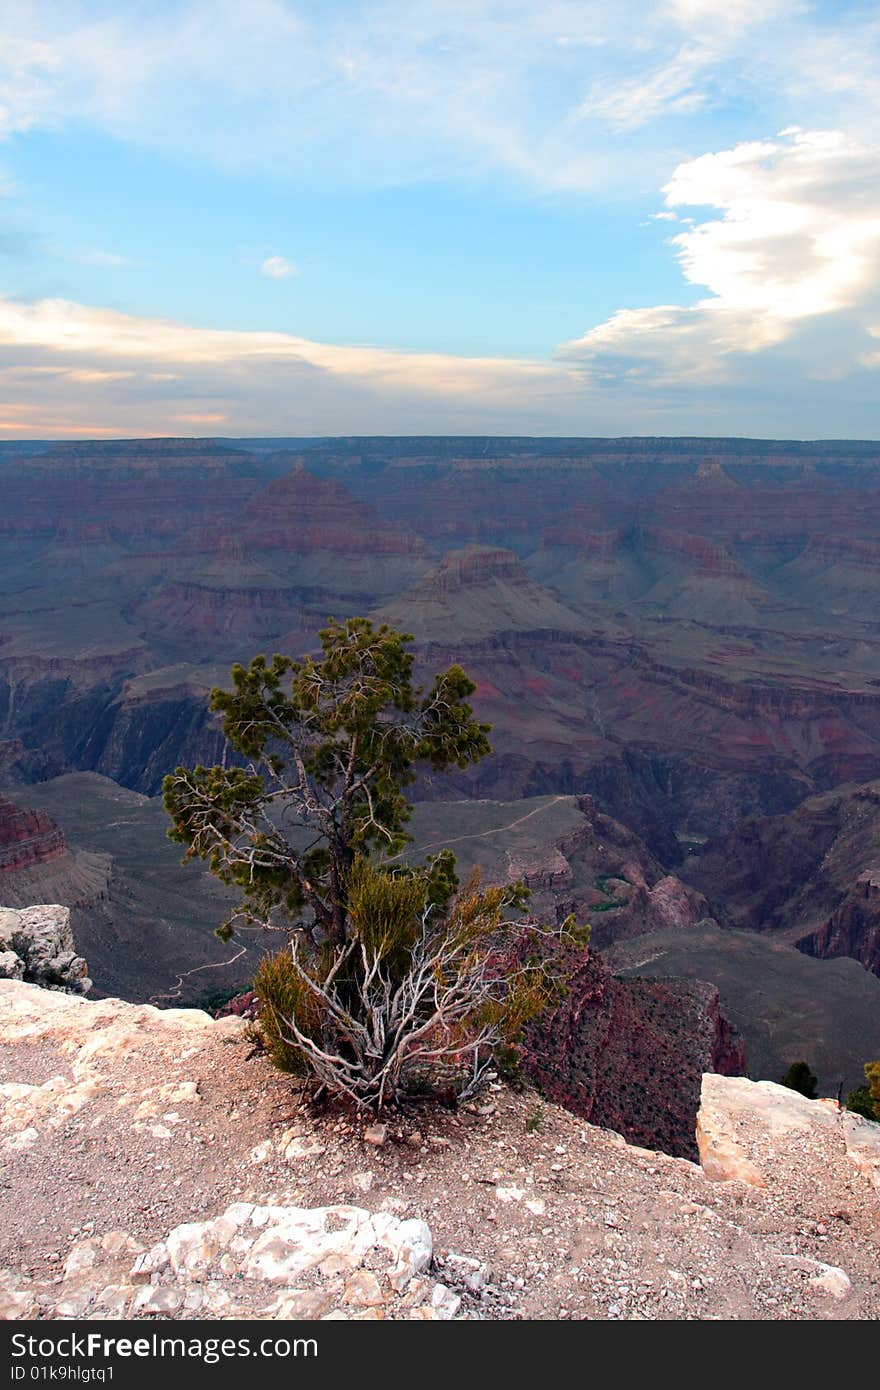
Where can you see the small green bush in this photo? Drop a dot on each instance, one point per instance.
(282, 994)
(800, 1078)
(860, 1103)
(420, 998)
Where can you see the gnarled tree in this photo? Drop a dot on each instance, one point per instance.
(391, 978)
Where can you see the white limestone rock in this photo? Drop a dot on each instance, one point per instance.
(831, 1279)
(41, 940)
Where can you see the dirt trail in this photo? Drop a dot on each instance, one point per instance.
(481, 834)
(177, 988)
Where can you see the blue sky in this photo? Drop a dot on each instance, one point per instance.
(440, 267)
(661, 216)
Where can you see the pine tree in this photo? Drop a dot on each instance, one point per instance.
(393, 977)
(800, 1078)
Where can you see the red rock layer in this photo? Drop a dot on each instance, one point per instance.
(301, 513)
(27, 838)
(629, 1054)
(93, 492)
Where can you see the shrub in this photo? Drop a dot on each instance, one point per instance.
(800, 1078)
(392, 979)
(860, 1103)
(872, 1072)
(419, 1000)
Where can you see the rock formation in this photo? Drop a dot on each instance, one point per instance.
(853, 928)
(629, 1054)
(606, 875)
(26, 838)
(36, 945)
(37, 864)
(746, 1129)
(282, 1262)
(84, 495)
(301, 514)
(811, 877)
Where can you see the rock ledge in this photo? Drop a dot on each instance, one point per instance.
(37, 946)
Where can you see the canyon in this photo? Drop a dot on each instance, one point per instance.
(811, 876)
(675, 642)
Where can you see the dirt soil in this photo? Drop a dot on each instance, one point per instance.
(145, 1119)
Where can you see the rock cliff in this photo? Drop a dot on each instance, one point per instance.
(36, 945)
(811, 877)
(26, 838)
(629, 1054)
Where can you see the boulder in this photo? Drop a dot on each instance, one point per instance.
(36, 945)
(752, 1131)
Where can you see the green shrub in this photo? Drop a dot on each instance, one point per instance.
(872, 1072)
(800, 1078)
(418, 1000)
(860, 1103)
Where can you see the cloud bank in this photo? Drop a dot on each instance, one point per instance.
(775, 328)
(68, 368)
(788, 257)
(796, 248)
(387, 92)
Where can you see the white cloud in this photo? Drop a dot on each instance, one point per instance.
(798, 239)
(382, 91)
(72, 364)
(278, 268)
(800, 232)
(675, 88)
(719, 42)
(29, 71)
(736, 15)
(66, 327)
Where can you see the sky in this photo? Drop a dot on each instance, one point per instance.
(301, 217)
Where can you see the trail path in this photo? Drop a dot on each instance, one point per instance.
(481, 834)
(177, 987)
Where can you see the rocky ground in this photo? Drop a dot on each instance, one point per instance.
(155, 1166)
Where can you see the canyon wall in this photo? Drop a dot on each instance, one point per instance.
(27, 838)
(681, 628)
(629, 1054)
